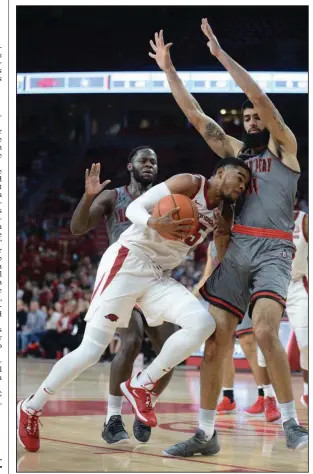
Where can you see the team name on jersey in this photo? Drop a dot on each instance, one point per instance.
(120, 215)
(260, 165)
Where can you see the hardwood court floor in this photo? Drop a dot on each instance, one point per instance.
(73, 419)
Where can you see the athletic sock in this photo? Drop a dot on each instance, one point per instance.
(207, 422)
(288, 410)
(260, 391)
(268, 391)
(229, 393)
(115, 403)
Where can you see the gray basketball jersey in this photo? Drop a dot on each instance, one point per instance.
(269, 201)
(117, 222)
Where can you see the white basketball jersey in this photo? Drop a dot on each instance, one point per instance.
(168, 254)
(300, 261)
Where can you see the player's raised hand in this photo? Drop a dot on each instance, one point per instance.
(178, 229)
(161, 51)
(213, 44)
(92, 181)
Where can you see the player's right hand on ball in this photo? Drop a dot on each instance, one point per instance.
(92, 181)
(178, 229)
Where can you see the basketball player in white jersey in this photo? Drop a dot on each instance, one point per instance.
(297, 298)
(136, 270)
(111, 204)
(257, 265)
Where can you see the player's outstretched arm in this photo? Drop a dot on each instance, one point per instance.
(95, 203)
(222, 144)
(281, 134)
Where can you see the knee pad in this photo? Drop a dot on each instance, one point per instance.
(261, 358)
(302, 336)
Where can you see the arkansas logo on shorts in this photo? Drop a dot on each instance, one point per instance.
(111, 317)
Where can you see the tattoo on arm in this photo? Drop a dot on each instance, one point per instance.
(278, 118)
(215, 133)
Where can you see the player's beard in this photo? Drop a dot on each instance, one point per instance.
(144, 180)
(255, 140)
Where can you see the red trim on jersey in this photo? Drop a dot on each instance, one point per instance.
(303, 228)
(295, 215)
(243, 331)
(200, 179)
(126, 189)
(120, 258)
(95, 291)
(305, 283)
(260, 232)
(268, 294)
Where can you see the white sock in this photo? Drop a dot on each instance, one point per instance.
(305, 388)
(288, 410)
(207, 422)
(268, 391)
(115, 403)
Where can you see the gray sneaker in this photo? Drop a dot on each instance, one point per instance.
(297, 437)
(195, 445)
(141, 431)
(114, 431)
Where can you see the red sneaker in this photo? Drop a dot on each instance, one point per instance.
(305, 400)
(226, 407)
(140, 399)
(28, 428)
(271, 411)
(257, 409)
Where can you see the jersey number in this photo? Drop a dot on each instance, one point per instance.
(197, 235)
(253, 186)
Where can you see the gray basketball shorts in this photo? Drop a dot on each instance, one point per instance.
(252, 268)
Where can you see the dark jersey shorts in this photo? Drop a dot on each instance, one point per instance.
(252, 268)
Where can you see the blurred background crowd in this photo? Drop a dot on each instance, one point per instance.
(59, 136)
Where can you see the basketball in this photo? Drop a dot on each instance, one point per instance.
(187, 210)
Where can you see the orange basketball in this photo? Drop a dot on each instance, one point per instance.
(187, 210)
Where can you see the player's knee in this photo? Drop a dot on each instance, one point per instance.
(92, 352)
(204, 324)
(265, 335)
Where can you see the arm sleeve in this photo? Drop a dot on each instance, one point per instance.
(138, 211)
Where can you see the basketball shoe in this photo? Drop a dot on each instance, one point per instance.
(114, 431)
(257, 409)
(226, 407)
(28, 426)
(271, 411)
(140, 399)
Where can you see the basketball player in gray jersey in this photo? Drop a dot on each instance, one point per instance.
(257, 264)
(97, 204)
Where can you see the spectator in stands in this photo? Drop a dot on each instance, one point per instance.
(21, 318)
(34, 327)
(50, 340)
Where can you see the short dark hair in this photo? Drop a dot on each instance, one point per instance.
(234, 162)
(246, 105)
(135, 150)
